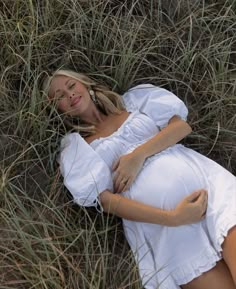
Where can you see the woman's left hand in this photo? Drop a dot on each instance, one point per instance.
(127, 168)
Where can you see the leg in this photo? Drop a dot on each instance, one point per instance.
(229, 252)
(218, 277)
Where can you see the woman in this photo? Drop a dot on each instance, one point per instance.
(128, 145)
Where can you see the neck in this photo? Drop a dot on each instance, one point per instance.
(94, 117)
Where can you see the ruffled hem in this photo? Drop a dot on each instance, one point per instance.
(196, 266)
(223, 229)
(208, 257)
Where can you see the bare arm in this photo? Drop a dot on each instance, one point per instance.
(128, 166)
(190, 210)
(176, 130)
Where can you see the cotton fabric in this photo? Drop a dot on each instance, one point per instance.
(167, 257)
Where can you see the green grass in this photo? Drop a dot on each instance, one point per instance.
(186, 46)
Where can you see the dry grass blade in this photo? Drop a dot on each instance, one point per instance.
(186, 46)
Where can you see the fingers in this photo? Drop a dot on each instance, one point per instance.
(202, 199)
(121, 186)
(193, 196)
(124, 186)
(115, 165)
(202, 203)
(117, 181)
(127, 185)
(197, 195)
(204, 211)
(121, 183)
(199, 200)
(204, 206)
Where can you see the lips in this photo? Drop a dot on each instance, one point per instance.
(75, 100)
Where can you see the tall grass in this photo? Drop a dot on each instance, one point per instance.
(185, 46)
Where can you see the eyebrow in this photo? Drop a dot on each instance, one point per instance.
(60, 89)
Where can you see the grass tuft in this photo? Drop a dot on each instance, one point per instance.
(185, 46)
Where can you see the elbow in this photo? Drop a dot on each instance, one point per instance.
(180, 125)
(188, 129)
(184, 128)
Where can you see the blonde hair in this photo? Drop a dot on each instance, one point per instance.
(109, 102)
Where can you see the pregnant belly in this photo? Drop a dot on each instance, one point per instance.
(164, 182)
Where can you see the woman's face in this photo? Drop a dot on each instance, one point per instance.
(70, 95)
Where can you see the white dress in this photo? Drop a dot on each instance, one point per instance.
(166, 256)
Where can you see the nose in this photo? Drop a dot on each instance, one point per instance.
(72, 95)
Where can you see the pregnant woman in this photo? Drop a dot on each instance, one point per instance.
(125, 161)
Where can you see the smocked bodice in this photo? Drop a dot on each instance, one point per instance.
(135, 130)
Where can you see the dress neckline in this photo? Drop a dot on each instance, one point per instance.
(116, 131)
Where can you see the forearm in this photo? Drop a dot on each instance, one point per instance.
(135, 211)
(168, 136)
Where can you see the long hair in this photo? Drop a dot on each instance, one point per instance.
(109, 102)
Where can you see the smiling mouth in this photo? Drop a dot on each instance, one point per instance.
(76, 100)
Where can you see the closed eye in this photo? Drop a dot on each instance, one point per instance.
(72, 85)
(60, 96)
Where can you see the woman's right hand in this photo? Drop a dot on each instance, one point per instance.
(191, 209)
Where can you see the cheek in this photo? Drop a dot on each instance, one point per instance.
(62, 105)
(81, 89)
(80, 86)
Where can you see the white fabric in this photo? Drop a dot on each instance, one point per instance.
(167, 256)
(85, 173)
(158, 103)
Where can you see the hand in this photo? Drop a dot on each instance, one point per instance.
(191, 209)
(127, 168)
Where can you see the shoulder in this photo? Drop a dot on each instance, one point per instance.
(140, 87)
(68, 139)
(142, 90)
(72, 141)
(91, 138)
(135, 93)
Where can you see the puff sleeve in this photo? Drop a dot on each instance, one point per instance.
(156, 102)
(85, 173)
